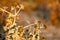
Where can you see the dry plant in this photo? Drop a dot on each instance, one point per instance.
(14, 32)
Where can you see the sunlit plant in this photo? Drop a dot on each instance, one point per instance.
(14, 32)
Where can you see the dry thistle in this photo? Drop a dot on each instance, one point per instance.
(11, 19)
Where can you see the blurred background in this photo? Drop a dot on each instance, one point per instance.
(48, 11)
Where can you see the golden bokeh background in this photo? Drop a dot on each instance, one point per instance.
(48, 11)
